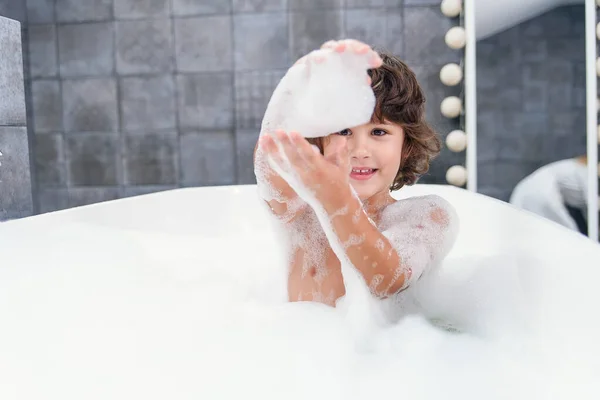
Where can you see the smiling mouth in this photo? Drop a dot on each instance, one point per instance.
(362, 173)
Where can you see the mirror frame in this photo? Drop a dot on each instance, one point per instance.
(591, 117)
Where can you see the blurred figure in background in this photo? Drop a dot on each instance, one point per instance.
(557, 191)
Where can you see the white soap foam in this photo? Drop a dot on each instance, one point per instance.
(132, 314)
(316, 99)
(122, 312)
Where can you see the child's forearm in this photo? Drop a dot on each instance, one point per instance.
(369, 251)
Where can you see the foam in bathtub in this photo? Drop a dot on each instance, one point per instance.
(124, 300)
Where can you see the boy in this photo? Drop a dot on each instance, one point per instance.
(335, 203)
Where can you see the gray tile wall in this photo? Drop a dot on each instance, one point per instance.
(531, 98)
(135, 96)
(15, 181)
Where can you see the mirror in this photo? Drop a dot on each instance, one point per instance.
(531, 108)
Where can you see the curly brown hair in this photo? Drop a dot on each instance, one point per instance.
(400, 100)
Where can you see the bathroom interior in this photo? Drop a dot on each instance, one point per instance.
(122, 122)
(129, 97)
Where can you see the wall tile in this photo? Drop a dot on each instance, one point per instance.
(315, 4)
(427, 46)
(50, 200)
(259, 6)
(422, 2)
(261, 41)
(14, 10)
(395, 32)
(47, 106)
(310, 29)
(144, 46)
(42, 51)
(92, 159)
(40, 11)
(132, 191)
(207, 158)
(141, 8)
(365, 3)
(203, 44)
(50, 161)
(195, 7)
(79, 51)
(147, 103)
(83, 10)
(253, 90)
(367, 25)
(151, 159)
(205, 100)
(78, 197)
(84, 113)
(245, 144)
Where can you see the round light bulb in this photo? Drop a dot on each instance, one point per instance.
(599, 134)
(456, 175)
(451, 8)
(451, 107)
(598, 66)
(598, 30)
(456, 141)
(451, 74)
(598, 3)
(456, 38)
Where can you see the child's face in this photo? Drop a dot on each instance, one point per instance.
(375, 154)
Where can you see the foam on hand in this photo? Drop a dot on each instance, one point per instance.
(319, 98)
(323, 93)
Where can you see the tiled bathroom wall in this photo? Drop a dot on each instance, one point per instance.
(135, 96)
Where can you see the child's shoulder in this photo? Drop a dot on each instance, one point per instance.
(432, 207)
(425, 202)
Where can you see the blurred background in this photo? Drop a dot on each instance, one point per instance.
(126, 97)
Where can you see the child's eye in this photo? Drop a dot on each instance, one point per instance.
(379, 132)
(344, 132)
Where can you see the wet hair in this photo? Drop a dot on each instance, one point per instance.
(400, 100)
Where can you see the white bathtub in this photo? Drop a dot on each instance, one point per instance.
(181, 295)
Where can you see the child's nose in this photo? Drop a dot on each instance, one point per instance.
(359, 150)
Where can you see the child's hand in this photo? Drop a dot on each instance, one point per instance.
(327, 178)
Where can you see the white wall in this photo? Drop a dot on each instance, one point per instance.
(493, 16)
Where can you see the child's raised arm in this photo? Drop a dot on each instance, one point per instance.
(281, 198)
(413, 235)
(325, 91)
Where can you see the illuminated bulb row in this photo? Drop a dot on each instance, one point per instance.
(456, 141)
(451, 107)
(451, 74)
(452, 8)
(456, 175)
(456, 37)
